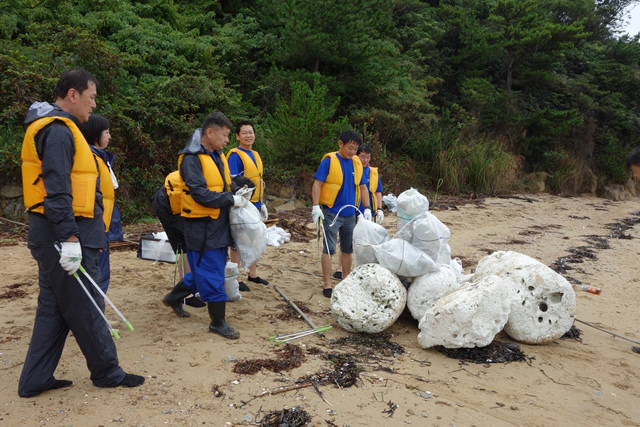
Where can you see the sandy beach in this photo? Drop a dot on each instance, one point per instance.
(190, 378)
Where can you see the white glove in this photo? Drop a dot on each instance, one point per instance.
(239, 202)
(264, 214)
(367, 214)
(70, 256)
(316, 214)
(379, 216)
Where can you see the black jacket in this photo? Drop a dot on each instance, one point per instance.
(203, 234)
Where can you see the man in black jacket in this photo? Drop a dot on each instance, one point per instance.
(62, 195)
(206, 201)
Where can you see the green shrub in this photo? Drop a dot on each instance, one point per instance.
(301, 131)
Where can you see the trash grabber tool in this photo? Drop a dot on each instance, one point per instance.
(95, 304)
(320, 329)
(106, 298)
(295, 337)
(295, 307)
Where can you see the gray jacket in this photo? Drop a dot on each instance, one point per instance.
(203, 234)
(56, 147)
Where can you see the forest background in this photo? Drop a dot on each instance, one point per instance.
(455, 95)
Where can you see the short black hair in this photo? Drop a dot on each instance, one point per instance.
(216, 119)
(75, 78)
(92, 129)
(350, 135)
(243, 123)
(364, 148)
(633, 158)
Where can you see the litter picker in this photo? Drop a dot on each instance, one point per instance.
(95, 285)
(279, 339)
(295, 307)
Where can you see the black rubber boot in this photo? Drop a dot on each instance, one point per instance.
(218, 324)
(174, 299)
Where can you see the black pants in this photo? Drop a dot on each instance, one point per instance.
(63, 306)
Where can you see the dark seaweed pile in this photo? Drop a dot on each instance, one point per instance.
(496, 352)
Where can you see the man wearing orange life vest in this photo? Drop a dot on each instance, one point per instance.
(207, 196)
(338, 188)
(243, 161)
(65, 205)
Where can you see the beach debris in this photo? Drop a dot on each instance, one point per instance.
(344, 373)
(369, 347)
(427, 289)
(467, 317)
(544, 306)
(289, 313)
(292, 417)
(13, 291)
(215, 390)
(289, 356)
(369, 299)
(573, 334)
(496, 352)
(391, 408)
(296, 308)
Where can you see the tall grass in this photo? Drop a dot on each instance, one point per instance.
(482, 166)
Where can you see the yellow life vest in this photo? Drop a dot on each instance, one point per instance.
(84, 174)
(373, 186)
(333, 182)
(108, 193)
(174, 185)
(215, 182)
(252, 170)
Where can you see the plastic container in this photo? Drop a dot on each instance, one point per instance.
(592, 290)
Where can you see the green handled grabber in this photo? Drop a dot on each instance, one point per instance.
(106, 298)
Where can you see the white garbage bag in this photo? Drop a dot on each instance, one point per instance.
(427, 233)
(365, 234)
(410, 204)
(231, 285)
(248, 232)
(404, 259)
(391, 202)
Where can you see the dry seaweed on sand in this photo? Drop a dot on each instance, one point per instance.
(369, 346)
(344, 373)
(290, 356)
(289, 313)
(573, 334)
(293, 417)
(496, 352)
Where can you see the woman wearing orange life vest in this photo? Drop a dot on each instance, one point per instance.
(243, 161)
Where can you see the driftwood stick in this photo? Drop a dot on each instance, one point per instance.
(14, 222)
(295, 307)
(281, 390)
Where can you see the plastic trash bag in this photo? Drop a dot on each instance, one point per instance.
(404, 259)
(248, 232)
(391, 202)
(276, 236)
(231, 285)
(365, 234)
(427, 233)
(410, 204)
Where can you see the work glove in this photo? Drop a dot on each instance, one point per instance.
(70, 256)
(239, 201)
(379, 216)
(264, 214)
(317, 215)
(367, 214)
